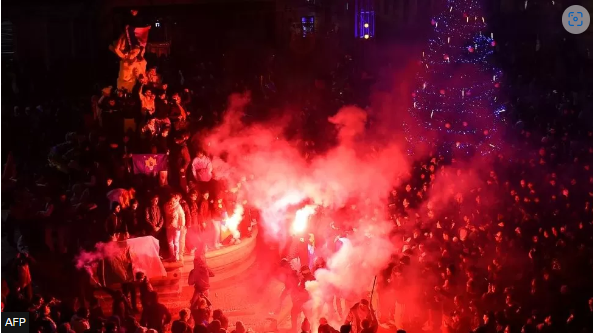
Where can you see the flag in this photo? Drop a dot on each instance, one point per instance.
(149, 164)
(137, 36)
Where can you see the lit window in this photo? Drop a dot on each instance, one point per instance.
(307, 25)
(365, 24)
(364, 19)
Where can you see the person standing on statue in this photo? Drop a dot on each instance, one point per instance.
(131, 65)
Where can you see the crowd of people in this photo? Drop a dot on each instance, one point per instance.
(508, 249)
(85, 191)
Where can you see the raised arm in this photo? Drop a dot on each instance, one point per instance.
(140, 94)
(118, 48)
(119, 53)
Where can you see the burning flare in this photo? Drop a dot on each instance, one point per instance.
(232, 222)
(301, 218)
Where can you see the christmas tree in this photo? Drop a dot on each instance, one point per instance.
(456, 93)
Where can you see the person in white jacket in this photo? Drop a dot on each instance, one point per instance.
(201, 168)
(175, 222)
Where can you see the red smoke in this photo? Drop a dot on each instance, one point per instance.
(270, 173)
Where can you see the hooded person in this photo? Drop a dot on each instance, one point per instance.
(199, 277)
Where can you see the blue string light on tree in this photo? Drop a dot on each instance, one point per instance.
(458, 86)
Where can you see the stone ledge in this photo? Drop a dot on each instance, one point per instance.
(218, 260)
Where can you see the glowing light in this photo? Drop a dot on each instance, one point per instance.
(232, 222)
(301, 219)
(366, 25)
(366, 36)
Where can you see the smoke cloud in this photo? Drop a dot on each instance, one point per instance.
(269, 172)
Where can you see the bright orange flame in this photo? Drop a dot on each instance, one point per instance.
(232, 223)
(301, 219)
